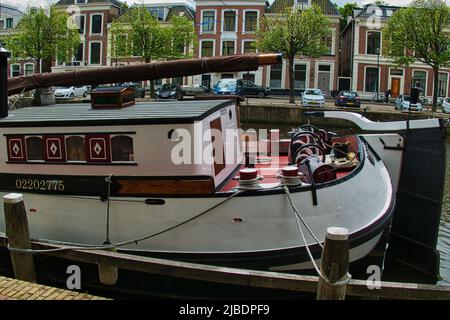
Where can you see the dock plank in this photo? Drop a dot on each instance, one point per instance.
(12, 289)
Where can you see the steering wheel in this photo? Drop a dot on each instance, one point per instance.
(308, 127)
(309, 138)
(308, 150)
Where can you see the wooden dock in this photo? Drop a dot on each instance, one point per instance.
(13, 289)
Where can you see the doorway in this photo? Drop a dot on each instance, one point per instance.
(395, 86)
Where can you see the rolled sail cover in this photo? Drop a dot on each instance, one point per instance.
(139, 72)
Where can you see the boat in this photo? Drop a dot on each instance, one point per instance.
(179, 179)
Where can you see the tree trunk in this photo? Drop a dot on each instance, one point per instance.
(291, 79)
(152, 82)
(436, 88)
(38, 91)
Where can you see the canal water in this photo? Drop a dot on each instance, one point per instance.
(397, 272)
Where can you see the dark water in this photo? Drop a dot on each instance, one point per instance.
(444, 228)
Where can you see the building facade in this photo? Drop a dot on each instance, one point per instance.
(225, 28)
(321, 72)
(92, 18)
(369, 71)
(9, 18)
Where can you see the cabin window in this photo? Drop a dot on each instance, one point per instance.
(122, 148)
(35, 148)
(76, 148)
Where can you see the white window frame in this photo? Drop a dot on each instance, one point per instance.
(90, 53)
(307, 72)
(201, 21)
(201, 47)
(235, 20)
(364, 80)
(446, 87)
(11, 69)
(84, 52)
(85, 24)
(425, 93)
(381, 42)
(91, 25)
(25, 68)
(245, 20)
(221, 46)
(247, 40)
(283, 75)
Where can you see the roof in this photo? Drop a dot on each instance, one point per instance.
(10, 10)
(327, 6)
(178, 10)
(167, 112)
(69, 2)
(380, 11)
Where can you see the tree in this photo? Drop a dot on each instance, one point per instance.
(420, 32)
(294, 33)
(346, 11)
(139, 33)
(44, 35)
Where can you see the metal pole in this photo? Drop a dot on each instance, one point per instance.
(4, 55)
(378, 77)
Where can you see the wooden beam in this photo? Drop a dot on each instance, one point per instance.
(242, 277)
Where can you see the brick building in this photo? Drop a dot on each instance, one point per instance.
(9, 18)
(366, 70)
(225, 28)
(321, 72)
(92, 18)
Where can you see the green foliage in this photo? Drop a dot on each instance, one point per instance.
(297, 32)
(138, 33)
(43, 34)
(419, 32)
(346, 11)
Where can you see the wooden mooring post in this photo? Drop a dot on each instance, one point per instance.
(18, 235)
(334, 265)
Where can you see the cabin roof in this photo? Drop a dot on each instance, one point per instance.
(166, 112)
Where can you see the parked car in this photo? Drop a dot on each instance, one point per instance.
(446, 105)
(229, 86)
(139, 91)
(313, 98)
(403, 103)
(169, 91)
(193, 90)
(71, 92)
(252, 89)
(347, 99)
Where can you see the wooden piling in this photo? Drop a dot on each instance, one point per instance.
(334, 265)
(18, 235)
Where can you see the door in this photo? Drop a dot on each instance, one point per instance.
(218, 146)
(395, 87)
(324, 82)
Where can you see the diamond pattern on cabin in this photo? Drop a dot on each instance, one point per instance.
(53, 148)
(16, 149)
(97, 149)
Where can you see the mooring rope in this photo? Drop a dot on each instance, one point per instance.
(78, 246)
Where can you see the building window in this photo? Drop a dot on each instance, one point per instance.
(2, 24)
(76, 148)
(177, 81)
(421, 78)
(35, 148)
(15, 70)
(80, 21)
(275, 75)
(371, 80)
(329, 44)
(251, 21)
(227, 48)
(300, 76)
(9, 22)
(249, 47)
(81, 1)
(95, 53)
(122, 148)
(96, 23)
(157, 12)
(79, 54)
(303, 4)
(442, 84)
(208, 24)
(229, 18)
(29, 69)
(373, 42)
(207, 49)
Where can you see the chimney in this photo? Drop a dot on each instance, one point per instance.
(4, 55)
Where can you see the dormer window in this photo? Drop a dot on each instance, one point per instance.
(302, 4)
(80, 1)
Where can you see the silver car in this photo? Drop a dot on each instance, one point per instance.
(446, 105)
(403, 103)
